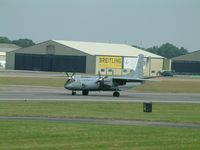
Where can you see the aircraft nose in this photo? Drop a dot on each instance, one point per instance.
(67, 86)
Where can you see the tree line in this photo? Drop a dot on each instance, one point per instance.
(20, 42)
(166, 50)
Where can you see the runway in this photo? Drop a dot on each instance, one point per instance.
(55, 93)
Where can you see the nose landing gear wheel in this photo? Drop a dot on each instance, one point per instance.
(84, 92)
(73, 93)
(116, 94)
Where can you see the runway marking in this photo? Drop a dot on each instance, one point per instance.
(105, 121)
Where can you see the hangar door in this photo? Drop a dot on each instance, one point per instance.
(58, 63)
(186, 66)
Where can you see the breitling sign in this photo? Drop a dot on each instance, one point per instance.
(109, 62)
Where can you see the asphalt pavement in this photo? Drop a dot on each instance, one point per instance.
(54, 93)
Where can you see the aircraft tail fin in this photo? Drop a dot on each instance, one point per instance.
(137, 72)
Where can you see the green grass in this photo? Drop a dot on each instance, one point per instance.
(46, 135)
(41, 135)
(33, 81)
(171, 85)
(112, 110)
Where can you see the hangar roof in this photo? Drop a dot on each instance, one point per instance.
(193, 56)
(93, 48)
(8, 47)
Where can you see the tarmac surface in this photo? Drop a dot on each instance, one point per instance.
(8, 92)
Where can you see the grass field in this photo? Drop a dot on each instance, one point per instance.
(184, 85)
(41, 135)
(33, 81)
(44, 135)
(174, 85)
(189, 113)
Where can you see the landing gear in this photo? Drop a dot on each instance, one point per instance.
(116, 94)
(85, 92)
(73, 93)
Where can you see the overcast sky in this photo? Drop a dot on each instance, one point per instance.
(144, 23)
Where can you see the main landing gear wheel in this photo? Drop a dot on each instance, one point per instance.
(73, 93)
(116, 94)
(84, 92)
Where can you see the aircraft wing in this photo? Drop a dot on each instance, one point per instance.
(123, 80)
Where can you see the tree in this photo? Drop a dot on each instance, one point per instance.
(4, 40)
(168, 50)
(183, 51)
(23, 42)
(153, 49)
(19, 42)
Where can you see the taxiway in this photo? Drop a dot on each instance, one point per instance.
(52, 93)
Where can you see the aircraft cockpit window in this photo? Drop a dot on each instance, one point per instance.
(70, 81)
(67, 81)
(125, 70)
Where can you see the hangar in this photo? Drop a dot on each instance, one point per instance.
(4, 48)
(187, 64)
(83, 57)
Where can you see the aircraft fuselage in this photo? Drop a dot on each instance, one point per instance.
(89, 84)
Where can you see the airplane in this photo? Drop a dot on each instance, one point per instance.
(107, 83)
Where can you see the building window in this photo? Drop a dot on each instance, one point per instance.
(110, 70)
(50, 50)
(102, 70)
(2, 58)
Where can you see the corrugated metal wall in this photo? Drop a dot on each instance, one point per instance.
(186, 66)
(56, 63)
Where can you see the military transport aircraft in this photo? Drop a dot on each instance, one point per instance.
(107, 83)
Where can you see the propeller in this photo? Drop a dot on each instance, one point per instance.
(101, 79)
(70, 78)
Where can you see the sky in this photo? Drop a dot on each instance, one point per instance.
(144, 23)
